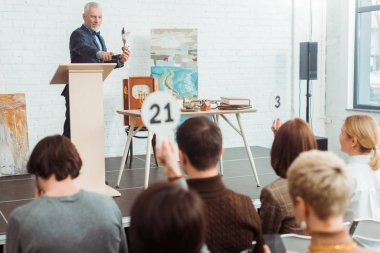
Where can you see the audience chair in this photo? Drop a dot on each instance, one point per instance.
(366, 232)
(250, 250)
(347, 224)
(368, 243)
(297, 243)
(257, 204)
(367, 228)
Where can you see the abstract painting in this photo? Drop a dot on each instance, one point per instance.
(174, 56)
(182, 82)
(14, 146)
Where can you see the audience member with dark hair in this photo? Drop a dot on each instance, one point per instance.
(319, 188)
(166, 218)
(292, 138)
(359, 138)
(232, 221)
(63, 218)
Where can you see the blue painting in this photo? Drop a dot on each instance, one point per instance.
(174, 60)
(180, 81)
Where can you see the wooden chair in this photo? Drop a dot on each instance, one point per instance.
(135, 89)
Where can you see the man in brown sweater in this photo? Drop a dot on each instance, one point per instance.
(232, 221)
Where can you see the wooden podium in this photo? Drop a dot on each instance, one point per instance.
(86, 119)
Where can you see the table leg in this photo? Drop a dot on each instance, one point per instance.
(216, 119)
(129, 139)
(147, 158)
(250, 157)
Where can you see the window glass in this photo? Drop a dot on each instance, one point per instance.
(367, 60)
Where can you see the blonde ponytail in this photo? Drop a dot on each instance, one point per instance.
(375, 160)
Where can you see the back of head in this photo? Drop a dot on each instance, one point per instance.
(366, 130)
(55, 155)
(167, 218)
(320, 178)
(293, 137)
(201, 140)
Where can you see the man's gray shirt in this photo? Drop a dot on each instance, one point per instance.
(83, 222)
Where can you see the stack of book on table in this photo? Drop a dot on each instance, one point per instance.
(234, 103)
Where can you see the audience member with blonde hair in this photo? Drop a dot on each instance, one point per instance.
(320, 189)
(359, 138)
(291, 138)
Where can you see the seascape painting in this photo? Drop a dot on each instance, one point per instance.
(174, 57)
(182, 82)
(14, 146)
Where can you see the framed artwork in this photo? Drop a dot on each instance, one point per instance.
(174, 57)
(181, 82)
(135, 90)
(14, 145)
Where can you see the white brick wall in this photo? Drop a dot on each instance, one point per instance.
(245, 49)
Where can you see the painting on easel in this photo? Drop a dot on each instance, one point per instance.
(14, 145)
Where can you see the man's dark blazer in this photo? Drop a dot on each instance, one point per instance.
(83, 49)
(83, 46)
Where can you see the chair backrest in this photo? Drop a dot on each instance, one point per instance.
(257, 204)
(347, 224)
(366, 228)
(135, 90)
(367, 242)
(250, 249)
(297, 243)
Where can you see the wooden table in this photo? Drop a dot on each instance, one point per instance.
(215, 113)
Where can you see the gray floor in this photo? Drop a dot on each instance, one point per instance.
(18, 190)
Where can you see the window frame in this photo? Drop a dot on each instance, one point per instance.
(359, 11)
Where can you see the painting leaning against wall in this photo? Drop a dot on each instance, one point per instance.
(14, 146)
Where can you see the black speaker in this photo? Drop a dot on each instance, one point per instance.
(308, 60)
(322, 143)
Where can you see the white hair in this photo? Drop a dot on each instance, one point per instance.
(89, 5)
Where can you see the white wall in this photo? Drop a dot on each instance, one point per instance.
(310, 25)
(246, 48)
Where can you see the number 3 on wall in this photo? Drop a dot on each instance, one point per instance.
(278, 103)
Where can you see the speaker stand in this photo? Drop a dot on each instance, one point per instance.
(308, 96)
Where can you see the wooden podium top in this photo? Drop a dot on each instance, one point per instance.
(61, 75)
